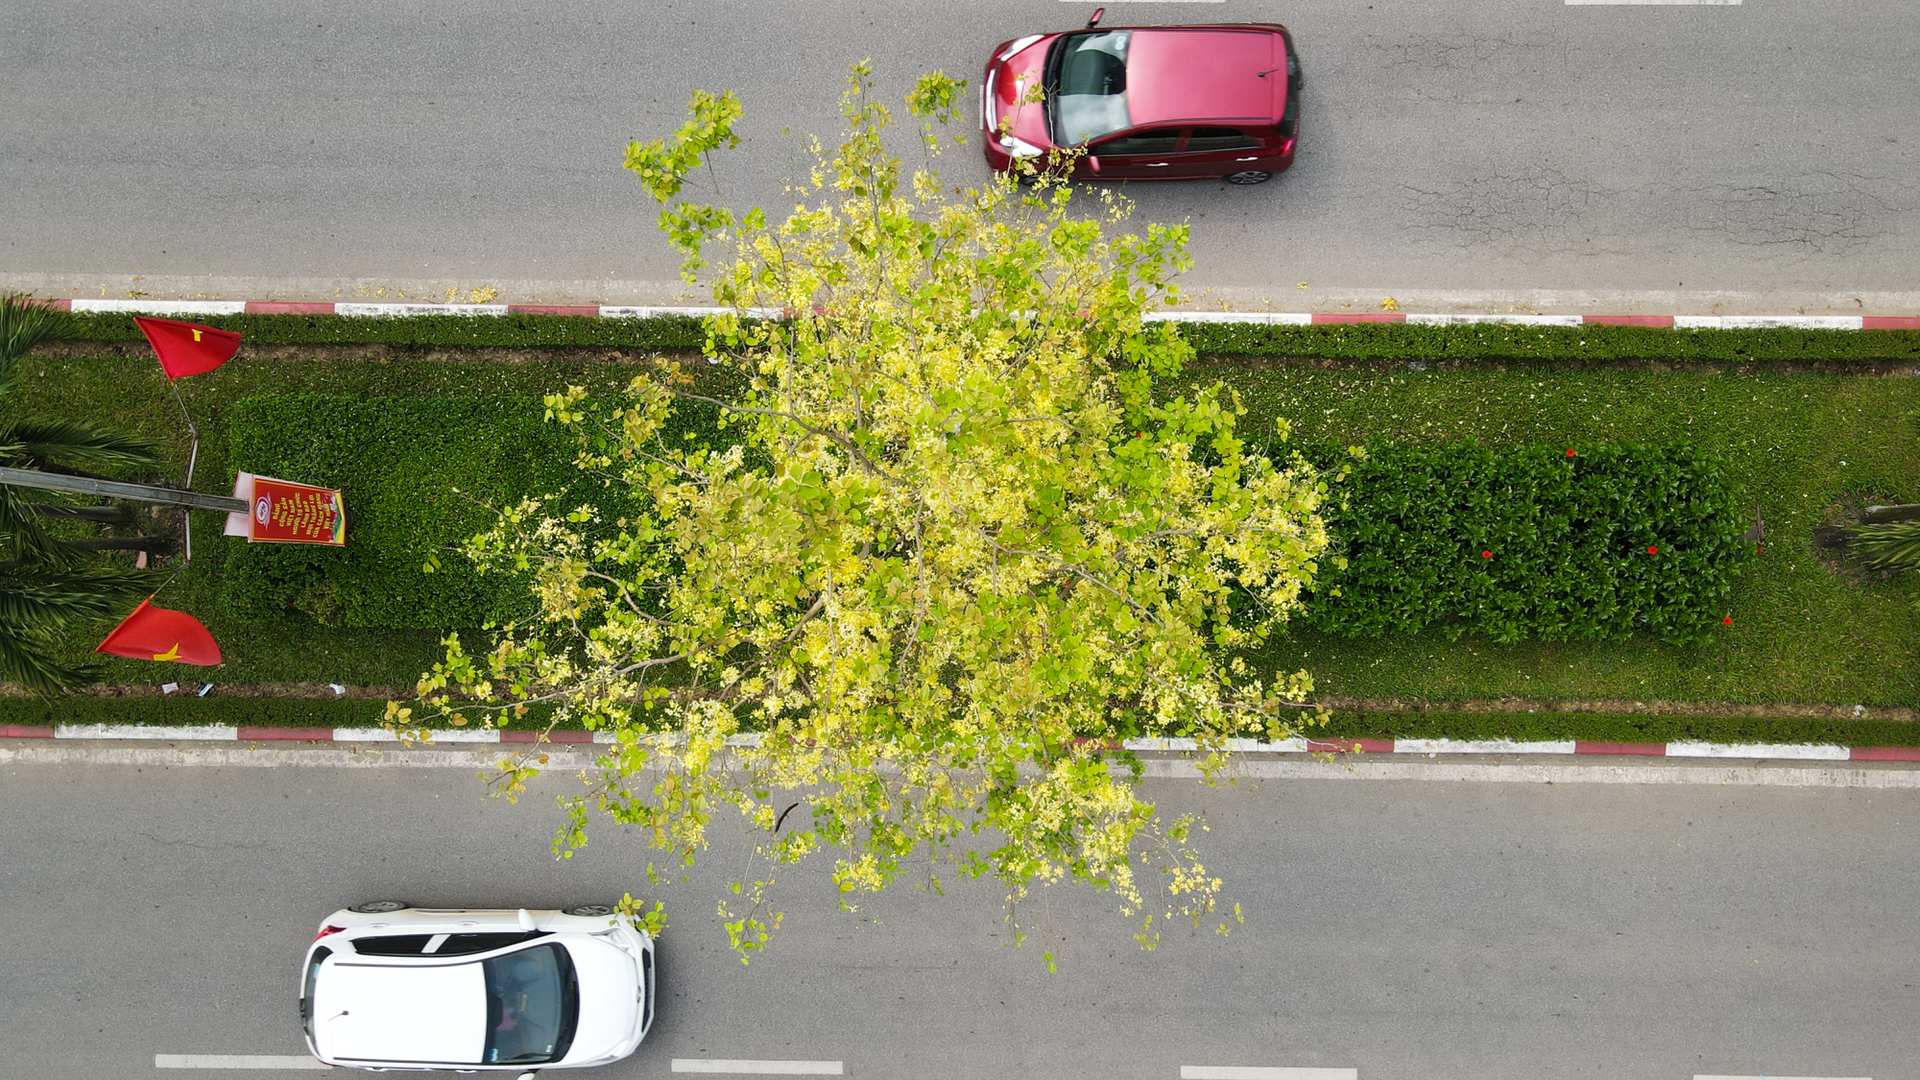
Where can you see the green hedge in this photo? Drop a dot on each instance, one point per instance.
(1484, 342)
(415, 473)
(1360, 341)
(1615, 727)
(661, 332)
(1599, 540)
(187, 710)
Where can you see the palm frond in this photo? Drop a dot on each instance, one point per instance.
(37, 442)
(53, 596)
(1892, 545)
(25, 324)
(27, 658)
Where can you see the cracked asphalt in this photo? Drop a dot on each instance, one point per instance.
(1730, 159)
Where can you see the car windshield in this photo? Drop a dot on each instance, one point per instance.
(1088, 87)
(533, 1005)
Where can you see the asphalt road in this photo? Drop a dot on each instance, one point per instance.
(1759, 156)
(1407, 930)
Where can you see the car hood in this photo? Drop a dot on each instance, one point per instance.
(1012, 79)
(609, 1000)
(378, 1012)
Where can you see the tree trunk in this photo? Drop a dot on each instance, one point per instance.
(152, 545)
(110, 515)
(1875, 515)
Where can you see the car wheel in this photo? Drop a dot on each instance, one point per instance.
(591, 911)
(379, 907)
(1250, 176)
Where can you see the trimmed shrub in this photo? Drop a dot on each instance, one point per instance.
(1358, 341)
(659, 332)
(1601, 542)
(1494, 342)
(1615, 727)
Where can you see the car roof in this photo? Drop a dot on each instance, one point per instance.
(1205, 73)
(364, 1010)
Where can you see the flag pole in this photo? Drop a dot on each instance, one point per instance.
(193, 458)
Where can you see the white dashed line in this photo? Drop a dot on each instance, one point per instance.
(236, 1061)
(1702, 1076)
(759, 1068)
(1656, 3)
(1264, 1073)
(1243, 1072)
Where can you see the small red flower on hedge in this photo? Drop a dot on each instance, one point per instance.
(1728, 621)
(1486, 554)
(1757, 547)
(1569, 453)
(1653, 550)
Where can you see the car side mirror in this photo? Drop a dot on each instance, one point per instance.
(1098, 14)
(526, 923)
(1093, 165)
(524, 1076)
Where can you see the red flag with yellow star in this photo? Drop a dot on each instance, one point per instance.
(187, 348)
(152, 633)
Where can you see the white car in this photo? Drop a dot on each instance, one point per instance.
(390, 986)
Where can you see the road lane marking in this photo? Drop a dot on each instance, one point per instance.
(1655, 3)
(237, 1061)
(1703, 1076)
(1790, 751)
(760, 1068)
(1243, 1072)
(1264, 1073)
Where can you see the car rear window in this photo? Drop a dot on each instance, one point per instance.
(1152, 141)
(1087, 86)
(468, 944)
(1219, 138)
(392, 945)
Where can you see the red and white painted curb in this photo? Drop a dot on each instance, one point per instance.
(1426, 747)
(1251, 318)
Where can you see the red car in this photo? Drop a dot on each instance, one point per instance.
(1149, 102)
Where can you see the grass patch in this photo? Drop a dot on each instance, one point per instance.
(1806, 448)
(131, 392)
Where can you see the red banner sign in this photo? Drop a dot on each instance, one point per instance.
(282, 512)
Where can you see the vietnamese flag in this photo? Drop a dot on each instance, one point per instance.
(152, 633)
(187, 348)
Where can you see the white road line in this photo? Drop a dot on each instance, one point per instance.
(1260, 1073)
(1660, 3)
(392, 311)
(760, 1068)
(1481, 746)
(163, 307)
(1703, 1076)
(199, 733)
(236, 1061)
(1759, 751)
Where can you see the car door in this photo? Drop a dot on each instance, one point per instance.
(1218, 150)
(1142, 154)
